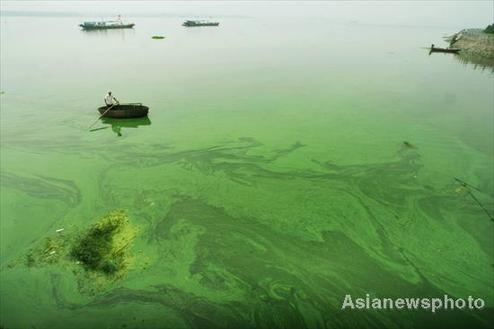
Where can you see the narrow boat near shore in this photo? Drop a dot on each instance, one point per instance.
(105, 25)
(189, 23)
(444, 50)
(124, 111)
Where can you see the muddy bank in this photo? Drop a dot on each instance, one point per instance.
(477, 47)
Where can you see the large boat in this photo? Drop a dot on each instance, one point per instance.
(104, 25)
(200, 23)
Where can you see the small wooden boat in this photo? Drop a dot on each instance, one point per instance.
(444, 50)
(123, 111)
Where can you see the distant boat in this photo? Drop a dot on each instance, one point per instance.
(444, 50)
(123, 111)
(104, 25)
(200, 23)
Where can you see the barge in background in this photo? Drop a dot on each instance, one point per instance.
(105, 25)
(200, 23)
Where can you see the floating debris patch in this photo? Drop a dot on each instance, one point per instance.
(50, 251)
(409, 145)
(104, 247)
(97, 255)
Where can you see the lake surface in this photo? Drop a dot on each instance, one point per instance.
(271, 178)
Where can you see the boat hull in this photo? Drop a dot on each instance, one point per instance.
(445, 50)
(108, 27)
(188, 24)
(124, 111)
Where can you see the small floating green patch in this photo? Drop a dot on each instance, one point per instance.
(51, 250)
(103, 248)
(159, 37)
(408, 145)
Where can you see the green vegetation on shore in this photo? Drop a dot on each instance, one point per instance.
(489, 29)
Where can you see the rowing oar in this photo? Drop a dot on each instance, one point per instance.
(465, 184)
(468, 186)
(101, 116)
(481, 205)
(100, 128)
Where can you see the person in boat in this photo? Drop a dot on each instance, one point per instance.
(110, 100)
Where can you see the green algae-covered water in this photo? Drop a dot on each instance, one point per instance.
(271, 178)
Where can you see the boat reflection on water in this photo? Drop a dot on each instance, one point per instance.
(118, 124)
(121, 34)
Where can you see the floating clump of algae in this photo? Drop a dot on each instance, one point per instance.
(102, 249)
(51, 251)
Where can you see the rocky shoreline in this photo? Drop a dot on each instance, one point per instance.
(476, 46)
